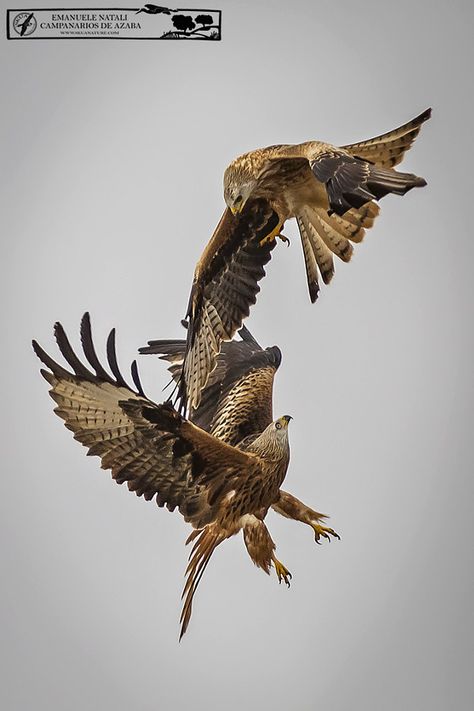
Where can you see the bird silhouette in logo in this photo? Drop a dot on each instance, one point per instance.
(25, 24)
(155, 10)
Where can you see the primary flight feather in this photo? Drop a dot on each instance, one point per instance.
(329, 190)
(222, 480)
(332, 193)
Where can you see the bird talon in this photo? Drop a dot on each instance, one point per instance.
(325, 532)
(285, 239)
(271, 237)
(282, 572)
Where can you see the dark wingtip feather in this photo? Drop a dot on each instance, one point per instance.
(49, 377)
(246, 336)
(89, 350)
(136, 378)
(112, 359)
(425, 115)
(164, 348)
(49, 362)
(276, 354)
(68, 352)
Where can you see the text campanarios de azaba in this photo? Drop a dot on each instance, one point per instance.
(90, 21)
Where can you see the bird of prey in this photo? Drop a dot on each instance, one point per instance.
(219, 488)
(236, 405)
(330, 191)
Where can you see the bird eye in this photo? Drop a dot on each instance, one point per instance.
(278, 425)
(238, 200)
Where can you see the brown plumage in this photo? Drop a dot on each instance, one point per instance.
(236, 406)
(225, 286)
(329, 190)
(219, 488)
(237, 400)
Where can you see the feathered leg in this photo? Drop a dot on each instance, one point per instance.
(291, 507)
(261, 548)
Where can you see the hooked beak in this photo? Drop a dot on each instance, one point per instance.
(238, 205)
(287, 419)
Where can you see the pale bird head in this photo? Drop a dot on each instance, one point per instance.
(280, 427)
(273, 442)
(238, 187)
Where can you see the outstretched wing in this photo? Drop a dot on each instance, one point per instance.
(388, 149)
(149, 446)
(237, 400)
(225, 286)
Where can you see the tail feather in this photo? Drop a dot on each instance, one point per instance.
(316, 252)
(205, 545)
(332, 237)
(310, 261)
(323, 235)
(354, 222)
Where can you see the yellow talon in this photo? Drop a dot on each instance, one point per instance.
(282, 572)
(323, 531)
(272, 235)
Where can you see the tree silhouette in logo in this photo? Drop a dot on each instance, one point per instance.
(200, 27)
(183, 23)
(204, 20)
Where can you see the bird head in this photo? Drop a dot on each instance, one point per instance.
(273, 443)
(238, 187)
(280, 427)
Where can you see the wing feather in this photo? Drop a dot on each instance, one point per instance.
(237, 400)
(225, 286)
(151, 447)
(389, 149)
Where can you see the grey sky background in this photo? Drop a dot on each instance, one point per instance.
(112, 155)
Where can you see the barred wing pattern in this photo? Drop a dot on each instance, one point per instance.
(151, 447)
(237, 400)
(225, 286)
(387, 150)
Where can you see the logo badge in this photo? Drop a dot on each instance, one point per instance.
(24, 23)
(148, 22)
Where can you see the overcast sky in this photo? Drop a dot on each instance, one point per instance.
(113, 155)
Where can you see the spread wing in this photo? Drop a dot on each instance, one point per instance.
(353, 176)
(388, 149)
(151, 447)
(225, 286)
(237, 400)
